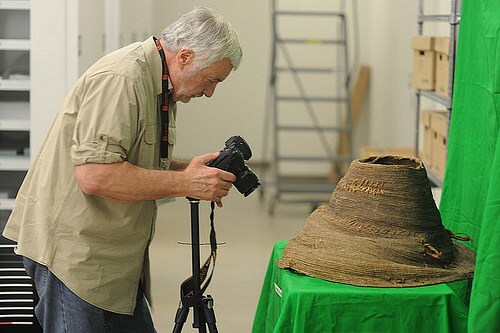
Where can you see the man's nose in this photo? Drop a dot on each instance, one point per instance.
(209, 91)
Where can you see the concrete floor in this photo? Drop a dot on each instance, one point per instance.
(249, 233)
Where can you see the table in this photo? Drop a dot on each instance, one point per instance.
(291, 302)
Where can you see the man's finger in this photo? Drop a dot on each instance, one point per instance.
(207, 158)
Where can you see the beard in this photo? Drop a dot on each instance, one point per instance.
(187, 77)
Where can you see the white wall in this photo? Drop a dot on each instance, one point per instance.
(238, 106)
(386, 29)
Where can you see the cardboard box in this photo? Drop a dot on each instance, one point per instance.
(425, 43)
(424, 62)
(442, 49)
(425, 119)
(439, 126)
(442, 45)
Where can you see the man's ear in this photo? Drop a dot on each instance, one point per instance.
(184, 57)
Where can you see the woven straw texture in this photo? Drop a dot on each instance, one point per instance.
(381, 228)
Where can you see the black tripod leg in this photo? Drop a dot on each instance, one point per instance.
(209, 314)
(180, 318)
(199, 318)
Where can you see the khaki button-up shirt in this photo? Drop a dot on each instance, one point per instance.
(96, 246)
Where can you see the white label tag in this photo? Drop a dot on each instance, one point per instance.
(164, 163)
(163, 201)
(277, 289)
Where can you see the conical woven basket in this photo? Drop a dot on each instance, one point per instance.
(381, 228)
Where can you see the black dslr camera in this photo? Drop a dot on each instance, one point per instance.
(232, 158)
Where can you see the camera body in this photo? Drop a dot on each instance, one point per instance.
(232, 158)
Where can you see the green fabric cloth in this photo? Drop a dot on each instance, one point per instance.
(290, 302)
(471, 190)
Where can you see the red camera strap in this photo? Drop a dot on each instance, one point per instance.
(163, 101)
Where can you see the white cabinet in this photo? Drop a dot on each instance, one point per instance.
(68, 36)
(45, 44)
(14, 99)
(48, 44)
(91, 33)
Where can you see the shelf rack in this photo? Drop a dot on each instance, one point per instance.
(454, 20)
(17, 292)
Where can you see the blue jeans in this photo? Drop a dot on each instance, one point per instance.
(59, 310)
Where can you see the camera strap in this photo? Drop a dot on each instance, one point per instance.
(188, 297)
(163, 101)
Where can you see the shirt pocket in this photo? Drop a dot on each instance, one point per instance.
(148, 156)
(150, 134)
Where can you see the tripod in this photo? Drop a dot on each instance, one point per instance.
(191, 291)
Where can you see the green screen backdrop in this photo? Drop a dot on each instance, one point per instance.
(471, 190)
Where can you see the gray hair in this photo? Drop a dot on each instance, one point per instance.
(207, 34)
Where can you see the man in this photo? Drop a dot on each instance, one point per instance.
(84, 216)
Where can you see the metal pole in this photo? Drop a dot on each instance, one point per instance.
(420, 30)
(195, 255)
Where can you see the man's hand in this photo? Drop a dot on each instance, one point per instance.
(207, 183)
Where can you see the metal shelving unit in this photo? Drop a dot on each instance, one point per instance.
(14, 98)
(307, 120)
(14, 116)
(14, 85)
(453, 19)
(17, 296)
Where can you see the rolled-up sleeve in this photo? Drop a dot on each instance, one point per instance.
(106, 120)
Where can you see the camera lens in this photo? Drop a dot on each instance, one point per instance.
(238, 143)
(247, 181)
